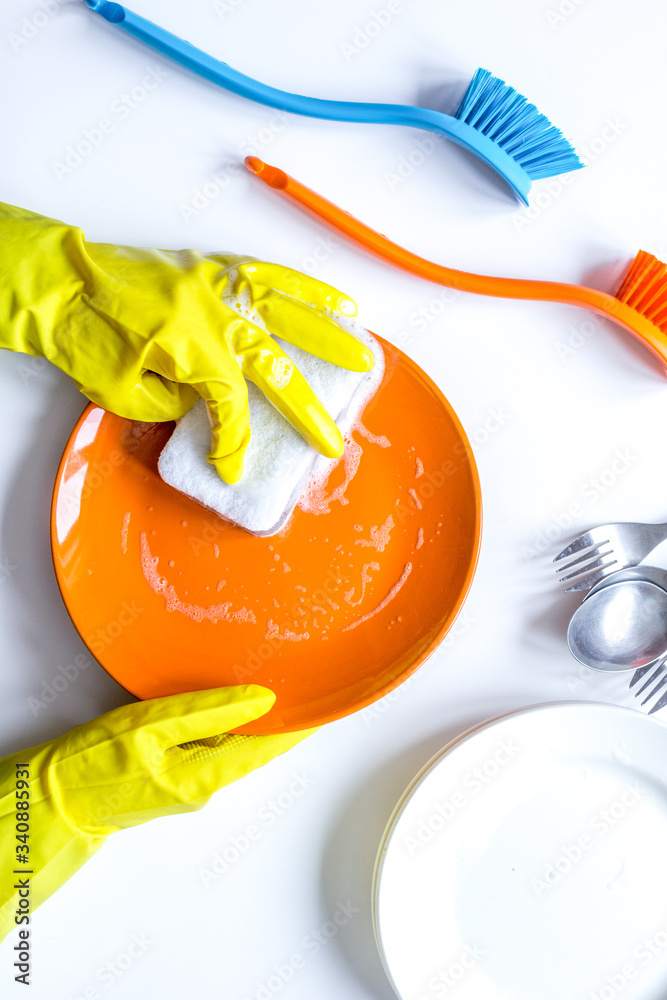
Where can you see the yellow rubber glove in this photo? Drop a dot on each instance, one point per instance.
(59, 801)
(143, 332)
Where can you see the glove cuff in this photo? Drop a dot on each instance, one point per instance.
(56, 848)
(41, 272)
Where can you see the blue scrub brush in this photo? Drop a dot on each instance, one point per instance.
(493, 121)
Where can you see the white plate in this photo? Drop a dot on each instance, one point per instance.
(526, 861)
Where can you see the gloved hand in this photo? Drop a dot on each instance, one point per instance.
(152, 758)
(143, 332)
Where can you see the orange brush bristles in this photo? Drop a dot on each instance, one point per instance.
(644, 288)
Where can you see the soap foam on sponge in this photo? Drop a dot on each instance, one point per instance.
(279, 464)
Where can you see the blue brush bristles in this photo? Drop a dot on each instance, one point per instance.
(499, 112)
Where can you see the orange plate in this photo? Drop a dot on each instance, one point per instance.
(331, 614)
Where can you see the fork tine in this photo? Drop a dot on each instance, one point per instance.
(656, 673)
(582, 555)
(659, 704)
(583, 542)
(592, 552)
(661, 683)
(594, 561)
(589, 581)
(638, 674)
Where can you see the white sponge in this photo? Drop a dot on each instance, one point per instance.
(279, 464)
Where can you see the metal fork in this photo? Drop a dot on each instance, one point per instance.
(658, 675)
(605, 550)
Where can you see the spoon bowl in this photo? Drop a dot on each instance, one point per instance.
(622, 623)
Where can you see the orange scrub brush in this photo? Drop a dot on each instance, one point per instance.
(639, 306)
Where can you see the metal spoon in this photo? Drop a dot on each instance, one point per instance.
(657, 667)
(622, 623)
(651, 573)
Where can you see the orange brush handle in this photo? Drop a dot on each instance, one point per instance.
(510, 288)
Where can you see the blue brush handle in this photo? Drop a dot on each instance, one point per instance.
(222, 74)
(346, 111)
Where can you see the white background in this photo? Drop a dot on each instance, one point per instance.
(570, 393)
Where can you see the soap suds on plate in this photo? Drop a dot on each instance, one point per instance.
(383, 603)
(315, 499)
(378, 439)
(418, 503)
(366, 578)
(273, 632)
(124, 530)
(379, 536)
(159, 585)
